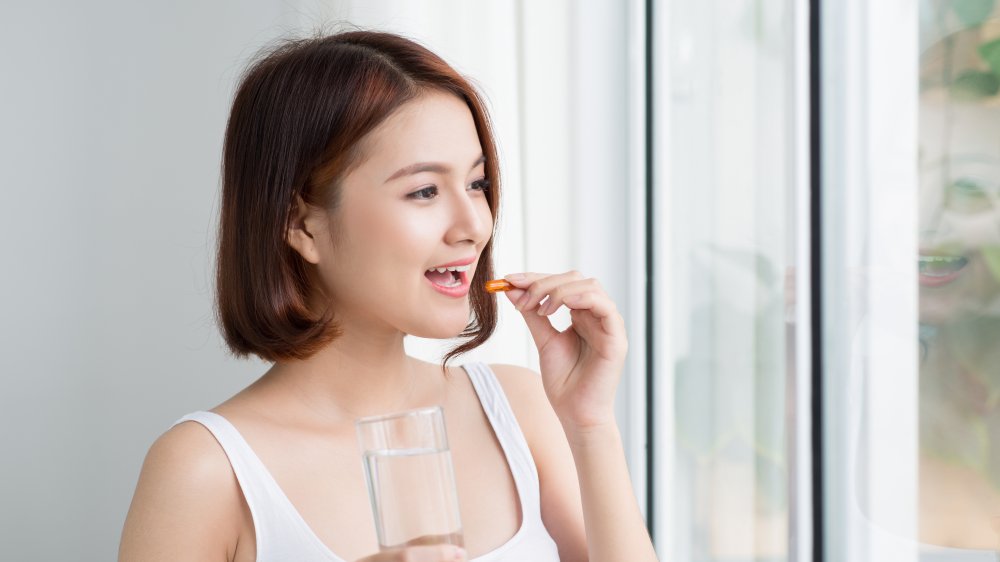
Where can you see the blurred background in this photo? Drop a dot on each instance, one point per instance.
(795, 204)
(113, 114)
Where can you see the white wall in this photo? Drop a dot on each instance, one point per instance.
(113, 114)
(111, 121)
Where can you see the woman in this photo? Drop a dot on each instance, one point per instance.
(360, 192)
(959, 293)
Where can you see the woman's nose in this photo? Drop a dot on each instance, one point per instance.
(964, 230)
(470, 218)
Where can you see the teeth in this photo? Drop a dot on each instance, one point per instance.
(453, 268)
(941, 266)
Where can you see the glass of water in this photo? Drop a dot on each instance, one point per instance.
(411, 482)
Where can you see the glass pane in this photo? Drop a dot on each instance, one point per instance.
(959, 268)
(911, 146)
(727, 178)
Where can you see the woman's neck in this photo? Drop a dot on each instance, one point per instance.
(357, 374)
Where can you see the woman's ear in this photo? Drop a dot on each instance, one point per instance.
(303, 223)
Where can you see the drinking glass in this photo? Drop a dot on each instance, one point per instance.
(410, 478)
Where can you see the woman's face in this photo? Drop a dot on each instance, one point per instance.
(959, 210)
(414, 203)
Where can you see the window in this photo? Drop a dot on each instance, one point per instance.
(725, 159)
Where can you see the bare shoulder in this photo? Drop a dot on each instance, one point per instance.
(524, 390)
(187, 504)
(522, 386)
(519, 381)
(189, 458)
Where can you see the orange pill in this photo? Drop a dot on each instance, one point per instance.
(498, 285)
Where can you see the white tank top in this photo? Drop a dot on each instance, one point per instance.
(283, 536)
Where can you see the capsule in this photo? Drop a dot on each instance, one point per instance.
(498, 286)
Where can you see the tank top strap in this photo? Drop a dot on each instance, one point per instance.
(279, 528)
(511, 438)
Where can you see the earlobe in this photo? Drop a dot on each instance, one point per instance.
(298, 234)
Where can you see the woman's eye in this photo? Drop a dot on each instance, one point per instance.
(967, 186)
(428, 192)
(968, 196)
(482, 184)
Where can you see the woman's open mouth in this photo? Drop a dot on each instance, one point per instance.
(936, 271)
(452, 281)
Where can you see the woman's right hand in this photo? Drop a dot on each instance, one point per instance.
(429, 553)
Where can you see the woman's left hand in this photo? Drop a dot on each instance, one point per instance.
(581, 365)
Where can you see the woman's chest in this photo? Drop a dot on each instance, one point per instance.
(324, 482)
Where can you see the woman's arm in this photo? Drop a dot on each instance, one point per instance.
(592, 467)
(187, 504)
(614, 524)
(581, 367)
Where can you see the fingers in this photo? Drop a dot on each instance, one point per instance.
(584, 294)
(433, 553)
(544, 294)
(539, 326)
(538, 285)
(600, 306)
(538, 295)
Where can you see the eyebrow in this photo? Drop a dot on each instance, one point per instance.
(435, 167)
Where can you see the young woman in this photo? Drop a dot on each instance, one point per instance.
(357, 167)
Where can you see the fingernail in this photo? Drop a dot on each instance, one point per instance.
(521, 301)
(543, 309)
(515, 277)
(460, 554)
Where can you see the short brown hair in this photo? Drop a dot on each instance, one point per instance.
(298, 115)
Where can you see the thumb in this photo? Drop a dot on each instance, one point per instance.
(540, 327)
